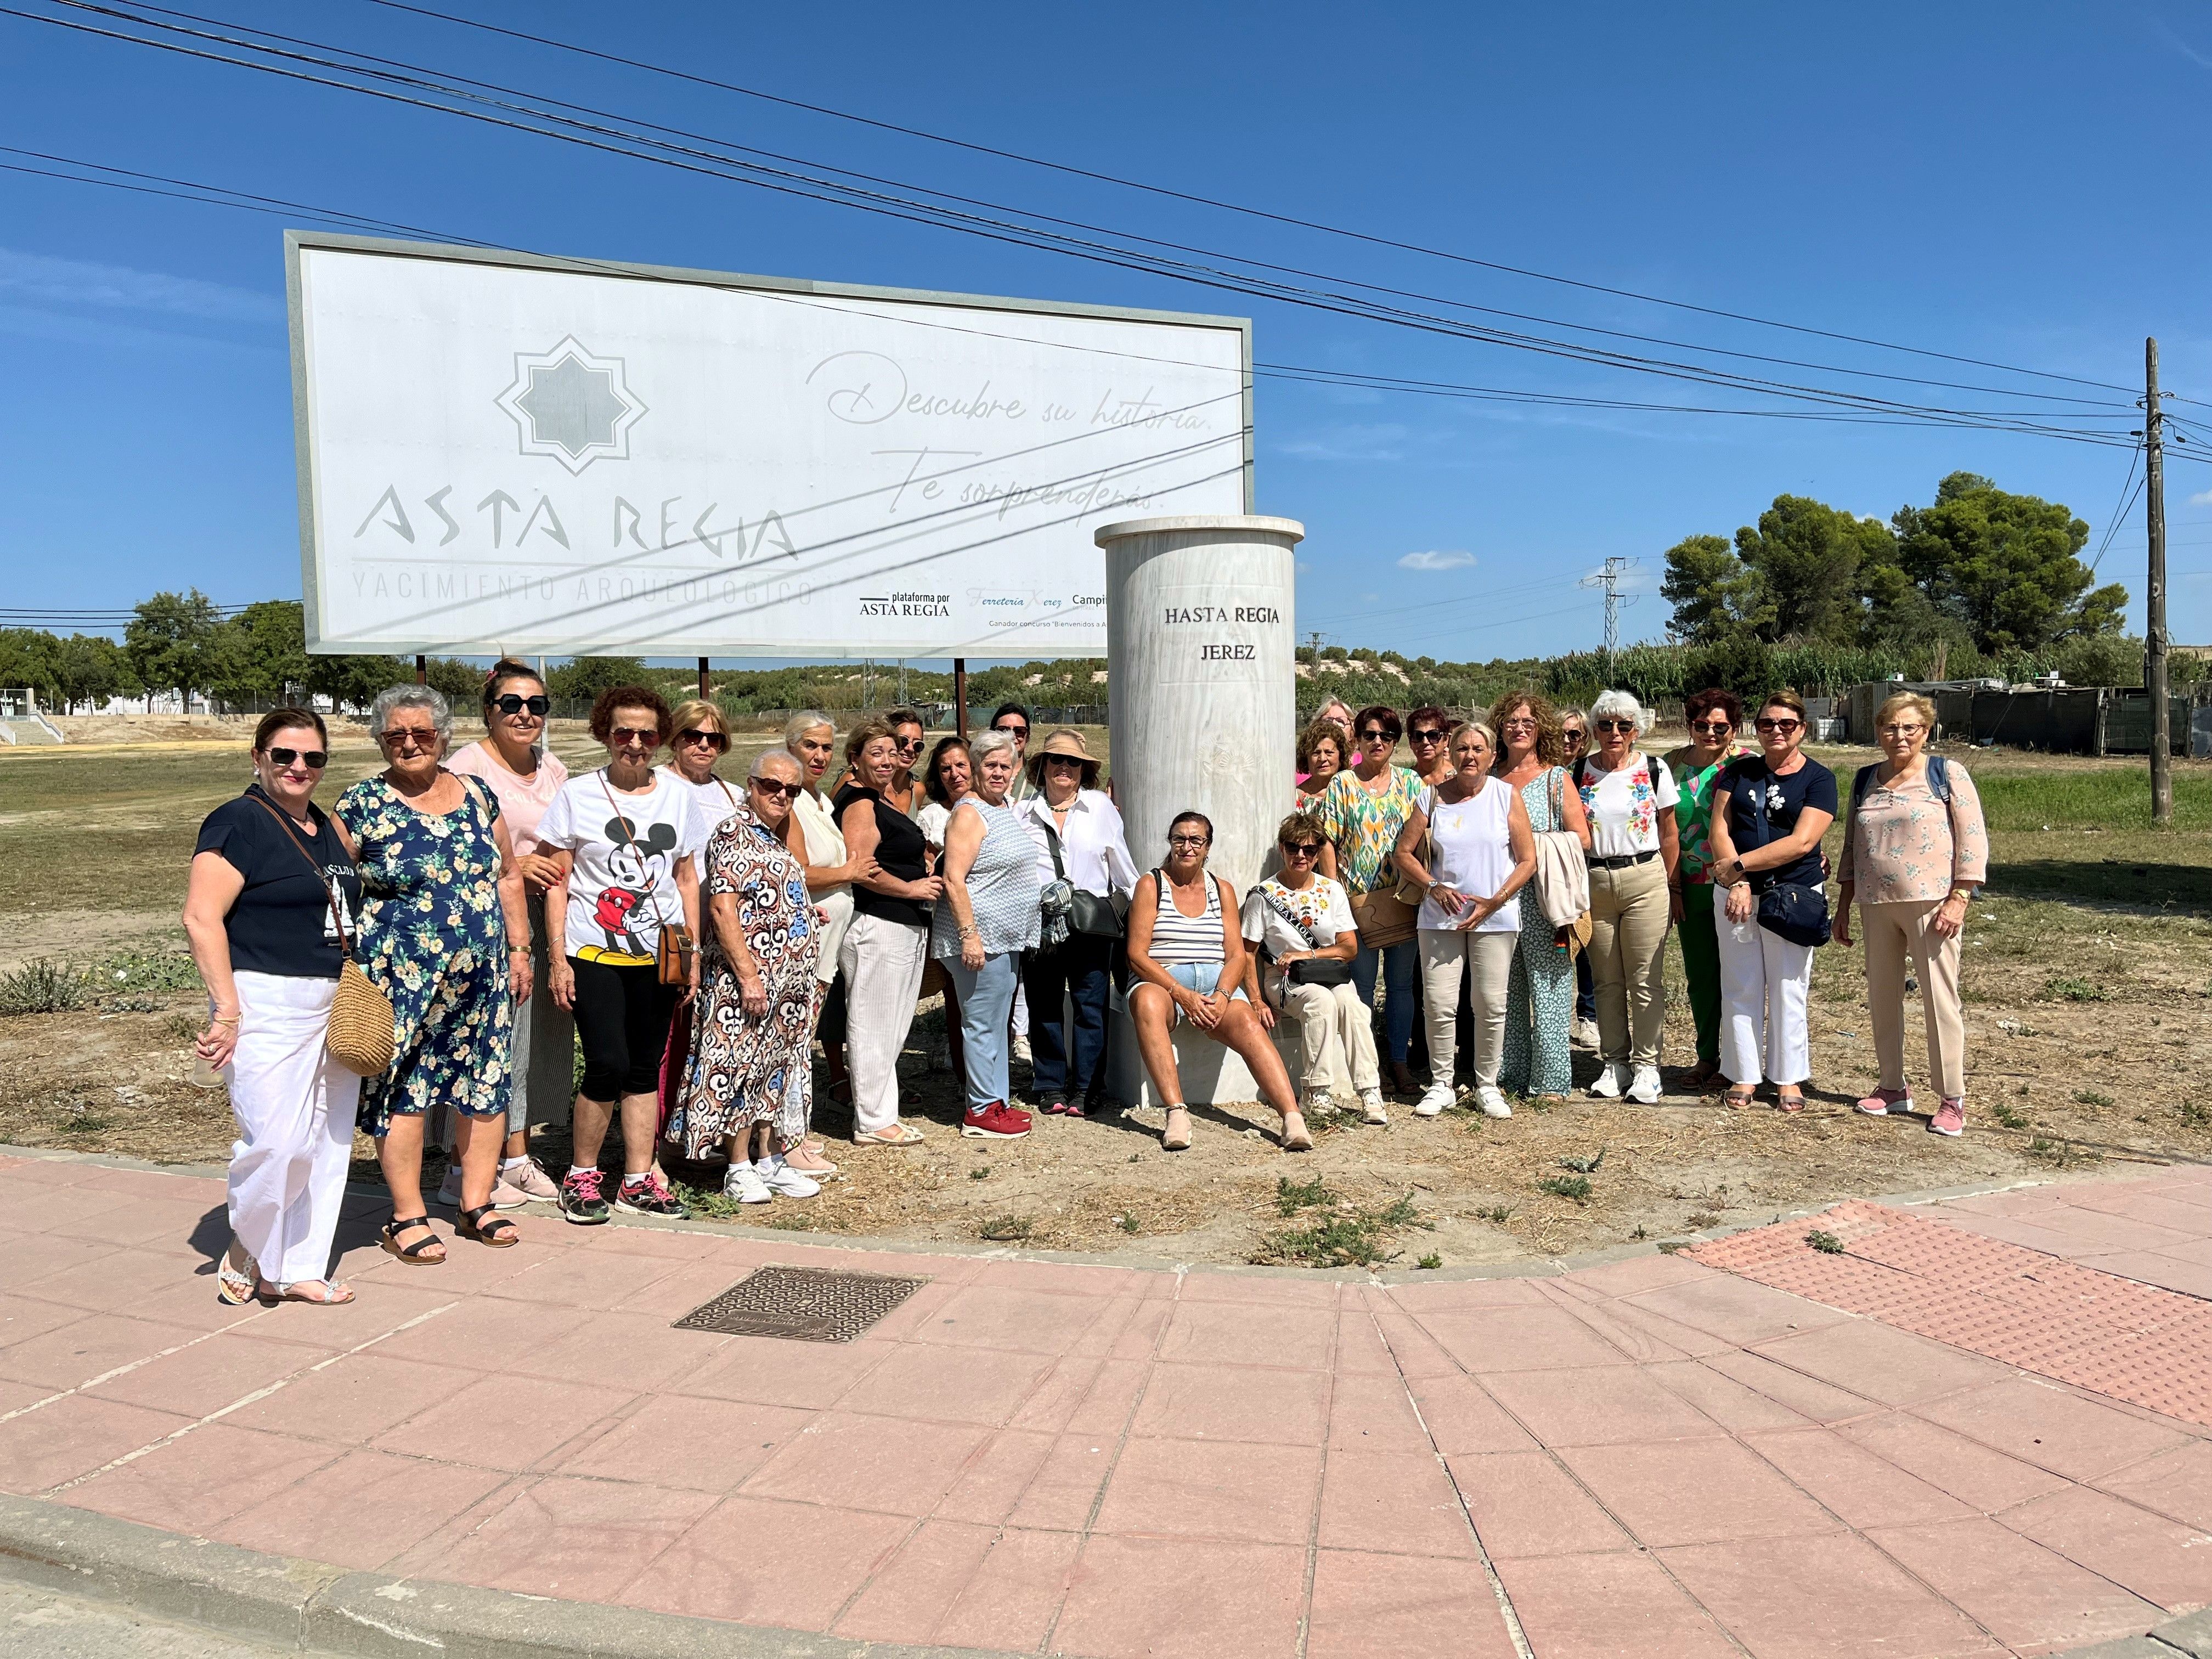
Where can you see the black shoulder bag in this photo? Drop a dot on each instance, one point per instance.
(1311, 971)
(1105, 917)
(1789, 909)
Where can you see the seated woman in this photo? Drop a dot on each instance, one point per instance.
(1184, 948)
(1298, 916)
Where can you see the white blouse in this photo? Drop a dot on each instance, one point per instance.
(1093, 845)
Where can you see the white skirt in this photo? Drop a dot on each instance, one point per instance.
(294, 1106)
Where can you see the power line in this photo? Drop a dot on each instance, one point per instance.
(2119, 513)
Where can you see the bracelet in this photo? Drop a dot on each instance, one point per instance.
(214, 1020)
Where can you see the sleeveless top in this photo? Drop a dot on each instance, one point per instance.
(1473, 852)
(1002, 887)
(1179, 938)
(825, 845)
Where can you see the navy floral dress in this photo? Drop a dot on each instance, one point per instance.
(433, 939)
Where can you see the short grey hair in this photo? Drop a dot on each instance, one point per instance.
(989, 743)
(411, 696)
(1619, 705)
(779, 756)
(804, 721)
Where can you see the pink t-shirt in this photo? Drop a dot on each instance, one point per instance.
(522, 801)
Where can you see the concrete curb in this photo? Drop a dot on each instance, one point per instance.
(2189, 1637)
(312, 1607)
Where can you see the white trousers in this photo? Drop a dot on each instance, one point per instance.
(883, 961)
(1446, 953)
(1336, 1031)
(1764, 983)
(294, 1106)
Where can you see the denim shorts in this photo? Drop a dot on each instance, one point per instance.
(1204, 978)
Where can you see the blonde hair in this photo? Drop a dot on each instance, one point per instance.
(1912, 700)
(697, 715)
(1463, 727)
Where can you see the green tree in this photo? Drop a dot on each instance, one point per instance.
(32, 656)
(171, 641)
(1806, 558)
(2005, 567)
(92, 668)
(354, 682)
(1706, 584)
(586, 677)
(461, 684)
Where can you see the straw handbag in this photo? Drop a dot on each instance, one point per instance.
(363, 1025)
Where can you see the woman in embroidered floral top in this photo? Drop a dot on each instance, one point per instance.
(1915, 849)
(1361, 811)
(1714, 717)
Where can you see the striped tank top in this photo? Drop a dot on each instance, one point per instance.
(1179, 938)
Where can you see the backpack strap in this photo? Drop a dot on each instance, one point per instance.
(1939, 778)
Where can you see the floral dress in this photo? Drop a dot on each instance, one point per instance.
(746, 1070)
(1539, 989)
(433, 939)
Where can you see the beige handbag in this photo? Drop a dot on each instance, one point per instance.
(363, 1025)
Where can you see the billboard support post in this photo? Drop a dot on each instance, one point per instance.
(703, 679)
(422, 669)
(960, 697)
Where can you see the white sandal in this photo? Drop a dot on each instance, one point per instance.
(236, 1285)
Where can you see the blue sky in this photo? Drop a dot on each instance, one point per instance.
(2013, 182)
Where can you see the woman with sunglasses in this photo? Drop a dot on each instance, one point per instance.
(445, 933)
(512, 761)
(1714, 717)
(812, 833)
(1574, 744)
(1628, 798)
(1298, 915)
(268, 872)
(986, 919)
(1428, 734)
(1770, 810)
(702, 737)
(631, 836)
(947, 778)
(1539, 993)
(1362, 811)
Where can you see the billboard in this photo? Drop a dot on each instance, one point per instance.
(507, 452)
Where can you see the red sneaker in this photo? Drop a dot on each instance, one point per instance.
(1950, 1117)
(996, 1121)
(1882, 1102)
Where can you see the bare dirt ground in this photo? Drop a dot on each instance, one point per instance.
(2089, 1015)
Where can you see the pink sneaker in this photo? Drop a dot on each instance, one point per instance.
(528, 1178)
(1950, 1117)
(1882, 1102)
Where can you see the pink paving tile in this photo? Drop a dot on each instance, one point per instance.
(1618, 1605)
(1099, 1336)
(1421, 1299)
(1052, 1404)
(1234, 1334)
(705, 1445)
(1413, 1350)
(663, 1244)
(360, 1511)
(164, 1224)
(1233, 1402)
(1374, 1413)
(512, 1423)
(1461, 1416)
(22, 1317)
(2157, 1558)
(1864, 1490)
(119, 1281)
(73, 1354)
(2044, 1425)
(35, 1208)
(1396, 1607)
(691, 1284)
(1064, 1493)
(1737, 1309)
(1070, 1277)
(42, 1448)
(2023, 1594)
(1842, 1599)
(1140, 1338)
(846, 1461)
(196, 1481)
(1738, 1409)
(1400, 1502)
(1518, 1339)
(1218, 1489)
(2028, 1235)
(1360, 1349)
(1602, 1405)
(1696, 1492)
(32, 1257)
(1685, 1340)
(2135, 1202)
(1524, 1503)
(1112, 1398)
(996, 1316)
(156, 1184)
(1891, 1366)
(483, 1333)
(555, 1275)
(2170, 1272)
(1971, 1473)
(2177, 1484)
(924, 1309)
(1257, 1290)
(210, 1375)
(913, 1591)
(581, 1541)
(382, 1308)
(618, 1350)
(951, 1385)
(1228, 1598)
(766, 1563)
(1639, 1273)
(1012, 1601)
(2113, 1232)
(354, 1399)
(1632, 1338)
(769, 1372)
(1808, 1396)
(993, 1480)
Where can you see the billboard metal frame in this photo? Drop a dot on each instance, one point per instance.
(297, 240)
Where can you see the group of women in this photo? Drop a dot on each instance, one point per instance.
(512, 913)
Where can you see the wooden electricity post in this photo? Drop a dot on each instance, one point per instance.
(2162, 736)
(703, 679)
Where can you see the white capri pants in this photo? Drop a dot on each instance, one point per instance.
(1765, 983)
(883, 961)
(1336, 1031)
(294, 1106)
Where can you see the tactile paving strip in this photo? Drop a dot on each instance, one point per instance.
(2135, 1342)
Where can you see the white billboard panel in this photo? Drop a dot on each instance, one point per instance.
(504, 451)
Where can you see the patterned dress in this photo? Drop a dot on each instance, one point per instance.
(1540, 995)
(1364, 825)
(433, 939)
(745, 1071)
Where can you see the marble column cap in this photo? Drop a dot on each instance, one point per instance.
(1250, 526)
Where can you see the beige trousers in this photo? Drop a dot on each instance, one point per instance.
(883, 963)
(1444, 952)
(1328, 1017)
(1897, 934)
(1628, 959)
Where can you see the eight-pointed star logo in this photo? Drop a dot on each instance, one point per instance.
(572, 405)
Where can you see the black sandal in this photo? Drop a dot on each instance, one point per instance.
(498, 1232)
(412, 1254)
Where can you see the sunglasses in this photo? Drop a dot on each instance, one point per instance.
(1304, 849)
(399, 737)
(1575, 734)
(1371, 735)
(1426, 736)
(1713, 728)
(715, 740)
(514, 703)
(1012, 731)
(908, 746)
(1064, 760)
(314, 759)
(778, 787)
(629, 737)
(1785, 727)
(1616, 726)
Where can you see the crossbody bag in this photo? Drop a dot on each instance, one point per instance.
(1102, 917)
(1789, 910)
(1312, 970)
(363, 1027)
(676, 951)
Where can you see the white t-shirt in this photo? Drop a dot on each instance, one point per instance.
(716, 800)
(1471, 851)
(1624, 806)
(933, 819)
(624, 885)
(1320, 904)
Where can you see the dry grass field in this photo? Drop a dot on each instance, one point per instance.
(2089, 990)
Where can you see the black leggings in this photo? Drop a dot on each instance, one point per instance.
(621, 1019)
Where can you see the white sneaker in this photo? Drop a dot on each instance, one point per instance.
(1645, 1090)
(1434, 1099)
(1611, 1076)
(1318, 1100)
(745, 1184)
(504, 1194)
(1371, 1106)
(1021, 1050)
(780, 1178)
(1584, 1034)
(1491, 1099)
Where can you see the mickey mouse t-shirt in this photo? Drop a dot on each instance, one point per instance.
(625, 849)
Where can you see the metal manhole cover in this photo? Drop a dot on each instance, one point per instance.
(805, 1304)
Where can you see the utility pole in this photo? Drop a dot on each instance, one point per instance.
(1609, 579)
(2162, 710)
(1313, 643)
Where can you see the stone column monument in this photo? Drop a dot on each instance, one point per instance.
(1201, 652)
